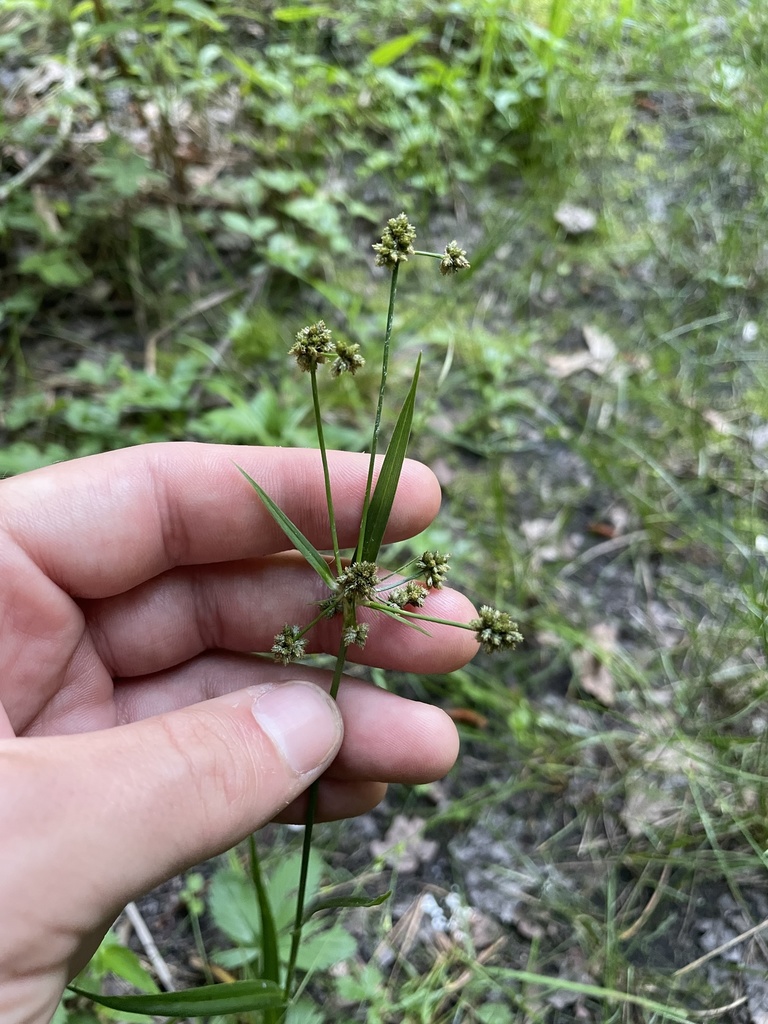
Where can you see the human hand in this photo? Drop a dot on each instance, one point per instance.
(137, 736)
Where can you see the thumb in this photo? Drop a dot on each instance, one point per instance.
(128, 807)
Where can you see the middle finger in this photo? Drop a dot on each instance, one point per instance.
(240, 606)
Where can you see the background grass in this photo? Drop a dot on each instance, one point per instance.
(185, 184)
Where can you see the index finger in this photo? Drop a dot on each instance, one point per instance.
(100, 525)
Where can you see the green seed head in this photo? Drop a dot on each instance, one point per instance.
(356, 635)
(495, 630)
(412, 593)
(454, 260)
(396, 243)
(434, 568)
(358, 582)
(289, 645)
(347, 359)
(313, 345)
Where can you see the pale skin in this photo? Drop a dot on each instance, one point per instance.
(138, 735)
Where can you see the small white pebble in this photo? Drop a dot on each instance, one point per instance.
(749, 331)
(431, 908)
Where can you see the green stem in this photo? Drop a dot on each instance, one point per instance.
(379, 406)
(197, 935)
(306, 848)
(326, 473)
(270, 959)
(400, 569)
(396, 584)
(313, 623)
(401, 613)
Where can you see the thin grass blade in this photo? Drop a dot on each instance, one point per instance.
(239, 997)
(270, 958)
(293, 533)
(612, 996)
(386, 485)
(339, 902)
(394, 613)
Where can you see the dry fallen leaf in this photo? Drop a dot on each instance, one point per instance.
(647, 807)
(547, 542)
(599, 357)
(575, 220)
(722, 424)
(601, 346)
(466, 716)
(591, 669)
(602, 529)
(403, 847)
(566, 365)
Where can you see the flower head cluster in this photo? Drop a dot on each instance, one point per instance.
(454, 260)
(433, 567)
(332, 605)
(289, 645)
(347, 359)
(412, 593)
(356, 635)
(495, 630)
(358, 581)
(396, 243)
(313, 345)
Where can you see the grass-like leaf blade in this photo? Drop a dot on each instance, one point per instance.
(337, 902)
(270, 957)
(293, 533)
(394, 613)
(386, 485)
(239, 997)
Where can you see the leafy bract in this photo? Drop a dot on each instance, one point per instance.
(389, 477)
(239, 997)
(340, 902)
(293, 533)
(270, 955)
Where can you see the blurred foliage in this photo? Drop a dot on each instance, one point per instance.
(184, 184)
(177, 129)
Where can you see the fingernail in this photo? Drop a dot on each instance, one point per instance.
(302, 722)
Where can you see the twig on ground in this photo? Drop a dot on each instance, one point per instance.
(144, 936)
(36, 165)
(606, 548)
(735, 941)
(650, 906)
(481, 958)
(718, 1011)
(201, 306)
(251, 296)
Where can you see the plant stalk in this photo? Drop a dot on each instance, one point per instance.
(379, 405)
(306, 848)
(401, 613)
(326, 473)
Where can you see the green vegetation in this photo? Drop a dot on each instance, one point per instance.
(186, 184)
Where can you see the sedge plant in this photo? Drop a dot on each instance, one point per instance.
(354, 581)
